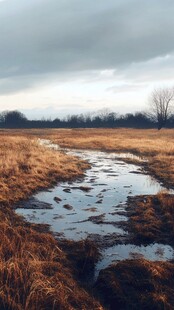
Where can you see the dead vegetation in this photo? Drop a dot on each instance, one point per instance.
(38, 272)
(151, 218)
(156, 146)
(137, 284)
(26, 167)
(83, 254)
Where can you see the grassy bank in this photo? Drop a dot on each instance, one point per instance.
(26, 167)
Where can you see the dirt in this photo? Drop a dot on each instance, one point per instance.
(68, 207)
(57, 199)
(33, 203)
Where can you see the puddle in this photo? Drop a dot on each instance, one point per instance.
(96, 204)
(119, 252)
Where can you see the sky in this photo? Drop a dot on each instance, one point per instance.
(61, 57)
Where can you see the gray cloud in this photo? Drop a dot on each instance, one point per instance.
(127, 87)
(41, 38)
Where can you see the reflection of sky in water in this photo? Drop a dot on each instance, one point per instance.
(111, 182)
(129, 251)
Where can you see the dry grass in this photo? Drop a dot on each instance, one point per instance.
(83, 255)
(137, 284)
(36, 271)
(151, 218)
(26, 167)
(156, 146)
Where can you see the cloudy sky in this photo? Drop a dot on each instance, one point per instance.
(59, 57)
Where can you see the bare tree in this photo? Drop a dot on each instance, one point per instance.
(161, 104)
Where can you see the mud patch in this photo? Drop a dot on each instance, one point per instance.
(57, 199)
(92, 209)
(68, 207)
(33, 203)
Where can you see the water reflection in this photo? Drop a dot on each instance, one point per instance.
(95, 203)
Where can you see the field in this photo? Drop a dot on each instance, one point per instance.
(156, 146)
(38, 272)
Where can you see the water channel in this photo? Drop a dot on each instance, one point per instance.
(94, 206)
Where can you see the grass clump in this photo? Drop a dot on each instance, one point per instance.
(137, 284)
(151, 218)
(83, 254)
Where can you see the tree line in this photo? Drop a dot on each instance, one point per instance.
(16, 119)
(160, 114)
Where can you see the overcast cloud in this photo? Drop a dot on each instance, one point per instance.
(45, 40)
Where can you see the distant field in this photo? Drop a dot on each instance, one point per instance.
(156, 146)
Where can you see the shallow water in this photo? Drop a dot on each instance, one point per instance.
(119, 252)
(91, 205)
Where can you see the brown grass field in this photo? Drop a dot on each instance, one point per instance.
(155, 145)
(38, 272)
(26, 167)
